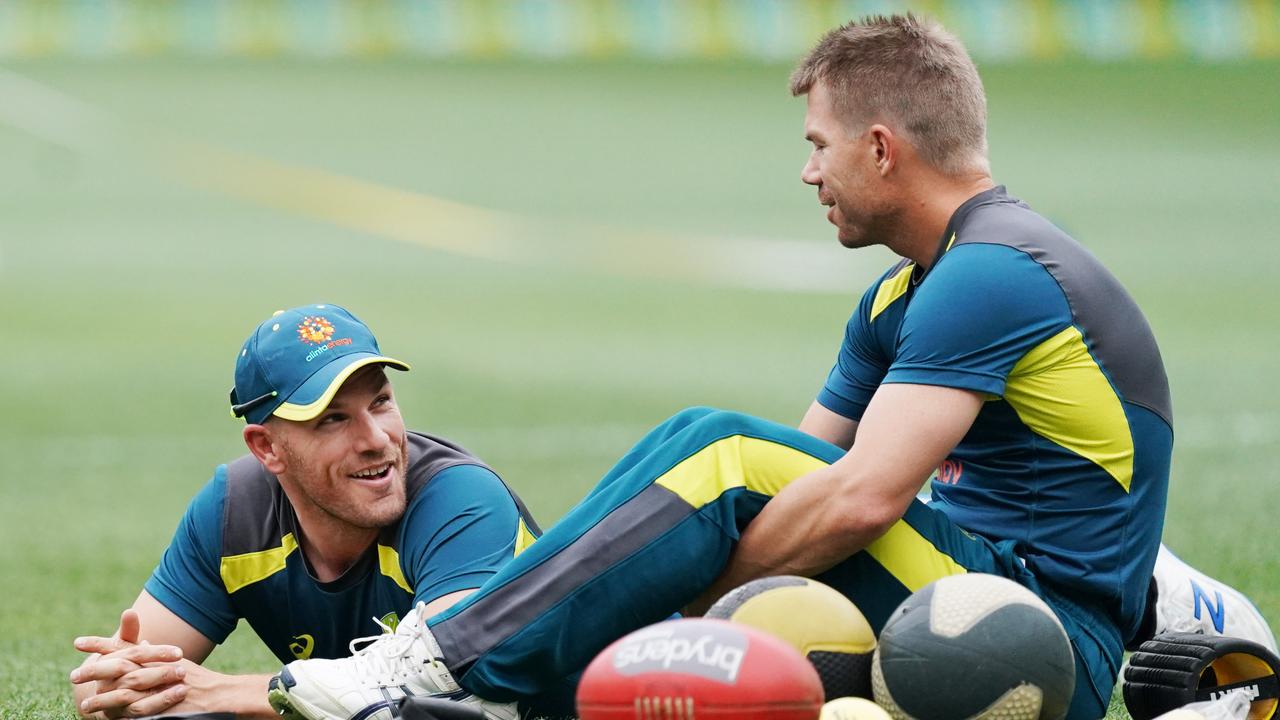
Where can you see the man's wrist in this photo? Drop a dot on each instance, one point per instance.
(249, 697)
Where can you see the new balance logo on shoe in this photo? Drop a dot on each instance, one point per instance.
(1215, 610)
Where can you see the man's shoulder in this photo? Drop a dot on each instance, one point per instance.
(996, 242)
(1004, 220)
(1004, 250)
(429, 455)
(255, 508)
(446, 478)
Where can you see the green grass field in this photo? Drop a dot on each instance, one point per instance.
(125, 292)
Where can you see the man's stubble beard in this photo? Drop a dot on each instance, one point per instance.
(344, 509)
(880, 228)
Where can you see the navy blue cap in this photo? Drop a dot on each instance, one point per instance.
(295, 361)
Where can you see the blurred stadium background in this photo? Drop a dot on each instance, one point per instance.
(574, 217)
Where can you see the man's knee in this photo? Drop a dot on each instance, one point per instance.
(714, 423)
(690, 415)
(707, 424)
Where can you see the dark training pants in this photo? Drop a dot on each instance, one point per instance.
(659, 528)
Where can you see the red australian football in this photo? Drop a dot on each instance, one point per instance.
(697, 668)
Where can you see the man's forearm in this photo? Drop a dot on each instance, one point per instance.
(244, 695)
(805, 530)
(822, 518)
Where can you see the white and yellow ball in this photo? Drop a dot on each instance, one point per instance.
(815, 619)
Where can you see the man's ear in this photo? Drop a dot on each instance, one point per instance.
(265, 446)
(884, 148)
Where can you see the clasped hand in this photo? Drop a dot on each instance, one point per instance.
(128, 678)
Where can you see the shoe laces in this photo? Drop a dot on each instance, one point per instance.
(387, 656)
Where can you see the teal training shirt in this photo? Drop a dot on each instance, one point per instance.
(235, 554)
(1069, 457)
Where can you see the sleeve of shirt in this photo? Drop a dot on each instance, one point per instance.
(981, 310)
(188, 580)
(458, 531)
(860, 364)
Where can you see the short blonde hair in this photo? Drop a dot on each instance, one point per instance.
(910, 70)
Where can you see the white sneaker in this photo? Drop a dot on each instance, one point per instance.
(370, 684)
(1187, 600)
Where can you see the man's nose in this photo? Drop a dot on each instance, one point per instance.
(809, 174)
(369, 435)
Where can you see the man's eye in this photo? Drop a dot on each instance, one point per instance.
(330, 419)
(382, 400)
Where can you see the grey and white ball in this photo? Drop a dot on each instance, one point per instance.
(974, 646)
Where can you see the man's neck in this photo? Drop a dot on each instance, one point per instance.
(923, 221)
(331, 552)
(330, 545)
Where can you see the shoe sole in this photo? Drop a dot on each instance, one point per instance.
(289, 707)
(279, 700)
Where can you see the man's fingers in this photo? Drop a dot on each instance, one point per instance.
(96, 644)
(142, 654)
(114, 700)
(113, 647)
(122, 662)
(130, 626)
(152, 678)
(157, 703)
(101, 670)
(127, 635)
(134, 703)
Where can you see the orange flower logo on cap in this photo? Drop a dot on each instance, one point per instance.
(315, 330)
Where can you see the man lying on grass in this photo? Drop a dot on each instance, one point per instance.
(333, 526)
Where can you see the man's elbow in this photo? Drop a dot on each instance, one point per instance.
(864, 518)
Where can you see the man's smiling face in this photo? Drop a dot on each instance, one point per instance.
(843, 167)
(350, 461)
